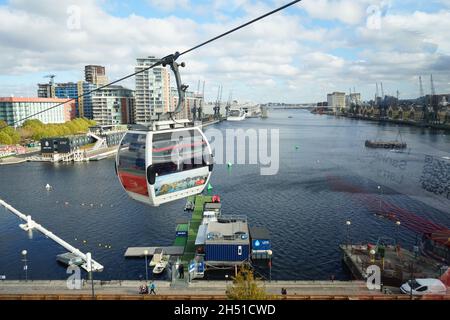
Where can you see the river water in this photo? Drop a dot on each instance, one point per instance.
(326, 176)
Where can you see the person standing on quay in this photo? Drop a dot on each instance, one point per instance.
(181, 271)
(152, 288)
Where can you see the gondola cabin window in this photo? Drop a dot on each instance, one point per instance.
(131, 163)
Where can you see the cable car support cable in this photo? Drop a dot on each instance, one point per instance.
(168, 60)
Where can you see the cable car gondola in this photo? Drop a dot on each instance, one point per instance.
(166, 160)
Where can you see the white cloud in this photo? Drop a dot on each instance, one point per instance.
(170, 5)
(290, 54)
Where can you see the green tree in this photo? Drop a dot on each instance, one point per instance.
(12, 133)
(4, 138)
(246, 287)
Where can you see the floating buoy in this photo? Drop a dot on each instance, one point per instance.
(229, 164)
(48, 187)
(82, 204)
(66, 203)
(84, 241)
(210, 187)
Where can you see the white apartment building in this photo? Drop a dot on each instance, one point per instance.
(336, 100)
(152, 95)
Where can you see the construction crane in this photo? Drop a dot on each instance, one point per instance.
(52, 79)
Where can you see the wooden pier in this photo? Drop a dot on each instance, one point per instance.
(139, 252)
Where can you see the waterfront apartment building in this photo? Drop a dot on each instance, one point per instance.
(152, 95)
(13, 109)
(46, 90)
(95, 75)
(71, 90)
(336, 101)
(113, 105)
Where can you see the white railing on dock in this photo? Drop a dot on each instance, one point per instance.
(89, 263)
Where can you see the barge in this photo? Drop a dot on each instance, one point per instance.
(385, 144)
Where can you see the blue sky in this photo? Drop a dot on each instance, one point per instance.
(300, 54)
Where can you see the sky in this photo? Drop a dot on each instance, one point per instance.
(298, 55)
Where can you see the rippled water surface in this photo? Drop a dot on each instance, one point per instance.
(325, 177)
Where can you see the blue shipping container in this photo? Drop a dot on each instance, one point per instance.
(258, 244)
(226, 252)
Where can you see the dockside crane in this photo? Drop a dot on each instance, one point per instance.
(218, 102)
(422, 94)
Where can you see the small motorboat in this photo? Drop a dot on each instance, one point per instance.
(189, 206)
(161, 265)
(69, 259)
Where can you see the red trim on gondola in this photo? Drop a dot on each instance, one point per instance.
(178, 146)
(134, 183)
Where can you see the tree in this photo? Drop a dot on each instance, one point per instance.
(4, 138)
(12, 133)
(245, 287)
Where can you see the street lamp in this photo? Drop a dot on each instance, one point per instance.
(372, 253)
(146, 266)
(398, 223)
(91, 272)
(381, 193)
(348, 223)
(25, 267)
(269, 252)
